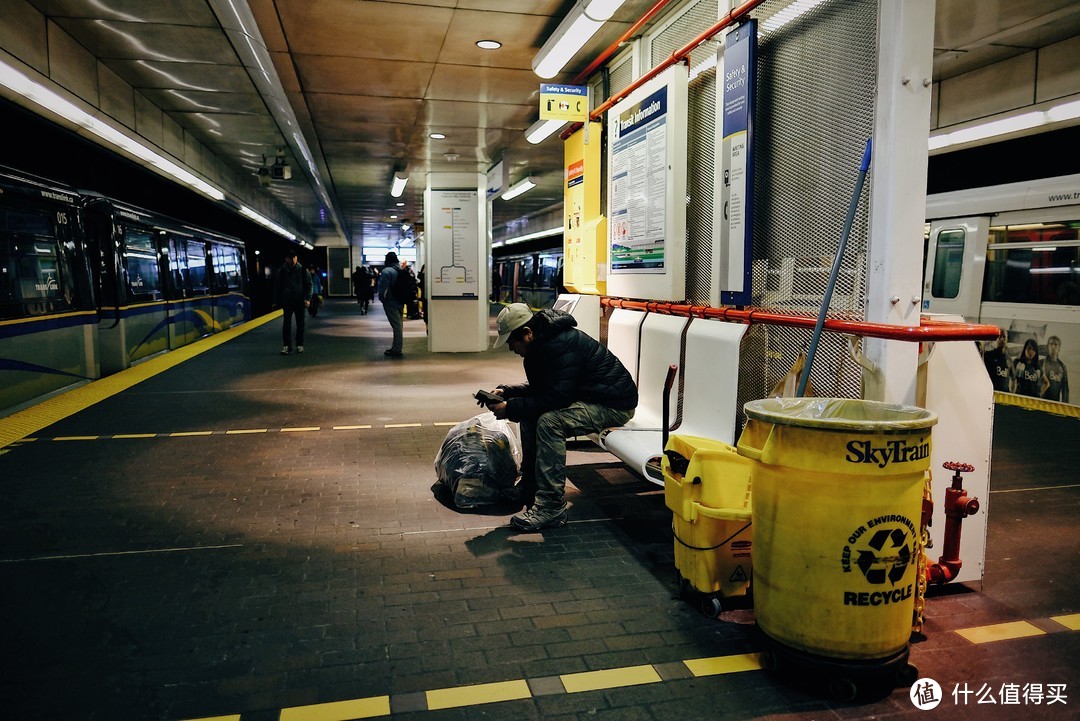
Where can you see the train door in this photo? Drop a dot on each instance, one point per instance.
(955, 261)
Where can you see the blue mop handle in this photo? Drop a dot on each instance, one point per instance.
(852, 207)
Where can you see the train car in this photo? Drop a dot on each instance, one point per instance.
(168, 284)
(89, 286)
(48, 316)
(1009, 255)
(533, 278)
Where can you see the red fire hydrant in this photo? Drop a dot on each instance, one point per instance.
(958, 506)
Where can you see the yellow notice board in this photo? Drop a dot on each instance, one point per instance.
(564, 102)
(585, 229)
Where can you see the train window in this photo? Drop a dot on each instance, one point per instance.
(948, 263)
(141, 263)
(227, 268)
(31, 266)
(196, 257)
(1033, 264)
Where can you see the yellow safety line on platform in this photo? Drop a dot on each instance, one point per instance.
(232, 432)
(518, 689)
(31, 420)
(247, 430)
(1071, 622)
(1001, 632)
(1037, 404)
(350, 428)
(441, 698)
(609, 678)
(339, 710)
(724, 664)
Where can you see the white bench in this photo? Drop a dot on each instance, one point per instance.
(707, 355)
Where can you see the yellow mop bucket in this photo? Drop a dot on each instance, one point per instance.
(838, 488)
(707, 488)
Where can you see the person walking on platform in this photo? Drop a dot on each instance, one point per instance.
(316, 292)
(574, 386)
(292, 293)
(394, 308)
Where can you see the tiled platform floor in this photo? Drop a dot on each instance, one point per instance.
(268, 542)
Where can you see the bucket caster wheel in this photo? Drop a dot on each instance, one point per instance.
(711, 606)
(906, 676)
(842, 689)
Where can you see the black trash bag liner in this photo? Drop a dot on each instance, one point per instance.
(477, 464)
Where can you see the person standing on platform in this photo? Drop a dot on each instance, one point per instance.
(316, 292)
(574, 386)
(393, 307)
(362, 287)
(292, 293)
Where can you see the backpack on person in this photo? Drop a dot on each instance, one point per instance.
(404, 287)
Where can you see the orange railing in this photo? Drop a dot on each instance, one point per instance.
(928, 329)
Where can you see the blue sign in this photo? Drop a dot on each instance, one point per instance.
(740, 52)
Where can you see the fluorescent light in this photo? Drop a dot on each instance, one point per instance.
(1003, 126)
(529, 236)
(541, 129)
(54, 103)
(518, 188)
(265, 222)
(399, 185)
(580, 24)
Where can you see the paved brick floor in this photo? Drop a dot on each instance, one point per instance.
(295, 556)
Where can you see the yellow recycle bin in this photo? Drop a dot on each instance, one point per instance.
(707, 488)
(838, 489)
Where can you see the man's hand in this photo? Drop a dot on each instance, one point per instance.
(499, 409)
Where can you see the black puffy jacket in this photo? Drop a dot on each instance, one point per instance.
(565, 365)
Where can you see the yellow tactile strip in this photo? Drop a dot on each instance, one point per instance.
(518, 689)
(26, 422)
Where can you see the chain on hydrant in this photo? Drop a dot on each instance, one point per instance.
(958, 506)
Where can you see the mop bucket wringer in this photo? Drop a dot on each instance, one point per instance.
(707, 489)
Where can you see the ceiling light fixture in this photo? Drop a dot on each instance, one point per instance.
(399, 185)
(580, 24)
(541, 130)
(522, 186)
(436, 136)
(488, 44)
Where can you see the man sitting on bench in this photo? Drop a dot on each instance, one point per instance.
(574, 387)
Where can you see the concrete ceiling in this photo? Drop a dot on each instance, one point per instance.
(367, 82)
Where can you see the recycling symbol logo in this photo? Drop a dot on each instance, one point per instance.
(888, 557)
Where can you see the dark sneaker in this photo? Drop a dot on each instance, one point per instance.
(391, 353)
(537, 519)
(285, 350)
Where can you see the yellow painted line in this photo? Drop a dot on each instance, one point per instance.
(724, 664)
(350, 428)
(75, 438)
(31, 420)
(300, 430)
(243, 431)
(479, 694)
(403, 425)
(339, 710)
(135, 435)
(610, 678)
(447, 423)
(1071, 622)
(182, 434)
(1000, 632)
